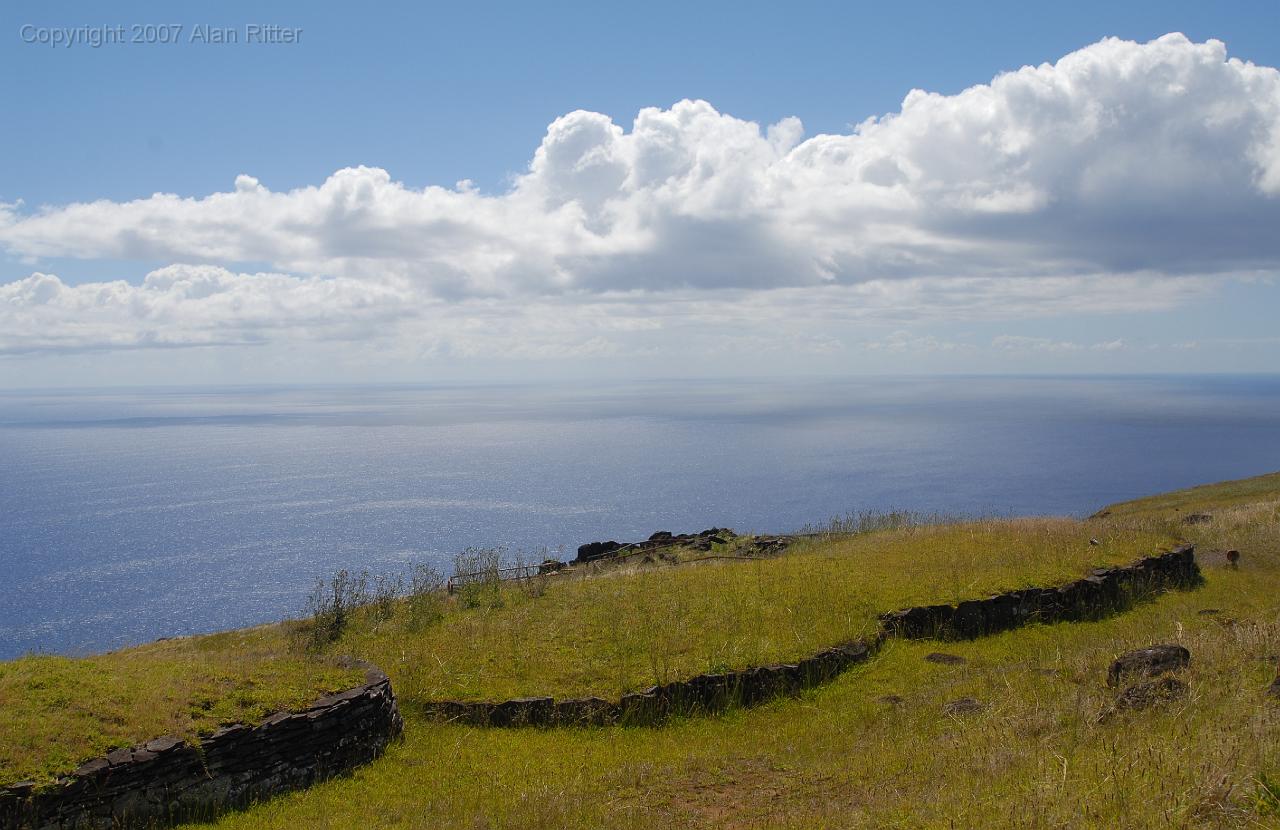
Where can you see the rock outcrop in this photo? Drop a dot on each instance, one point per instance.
(1148, 662)
(596, 551)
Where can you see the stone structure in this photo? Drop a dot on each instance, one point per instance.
(703, 694)
(1104, 591)
(167, 780)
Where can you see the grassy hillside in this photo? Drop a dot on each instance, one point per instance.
(621, 631)
(872, 749)
(602, 633)
(60, 711)
(1258, 491)
(841, 756)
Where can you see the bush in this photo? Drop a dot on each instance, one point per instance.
(331, 605)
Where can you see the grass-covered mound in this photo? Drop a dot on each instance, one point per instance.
(58, 711)
(608, 633)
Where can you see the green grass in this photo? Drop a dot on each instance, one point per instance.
(56, 712)
(620, 631)
(1206, 497)
(837, 756)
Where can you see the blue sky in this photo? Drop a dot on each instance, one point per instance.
(438, 93)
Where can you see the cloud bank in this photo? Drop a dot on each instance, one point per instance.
(1124, 176)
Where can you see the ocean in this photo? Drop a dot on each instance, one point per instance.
(128, 515)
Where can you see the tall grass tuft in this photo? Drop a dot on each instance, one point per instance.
(874, 521)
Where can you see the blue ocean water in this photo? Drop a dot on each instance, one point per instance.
(126, 516)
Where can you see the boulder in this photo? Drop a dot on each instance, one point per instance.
(596, 550)
(1148, 662)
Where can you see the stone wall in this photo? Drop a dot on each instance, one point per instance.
(698, 695)
(1103, 591)
(167, 780)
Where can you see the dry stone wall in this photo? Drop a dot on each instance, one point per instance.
(168, 780)
(1103, 591)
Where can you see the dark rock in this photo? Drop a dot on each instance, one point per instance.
(550, 566)
(91, 768)
(587, 711)
(945, 659)
(596, 550)
(963, 706)
(163, 744)
(1233, 558)
(523, 711)
(661, 536)
(640, 708)
(1151, 692)
(969, 619)
(1148, 662)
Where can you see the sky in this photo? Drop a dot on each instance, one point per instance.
(418, 192)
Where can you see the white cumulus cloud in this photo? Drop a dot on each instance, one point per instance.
(1124, 176)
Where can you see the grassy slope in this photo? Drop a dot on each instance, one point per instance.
(838, 757)
(601, 635)
(56, 712)
(1207, 497)
(623, 631)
